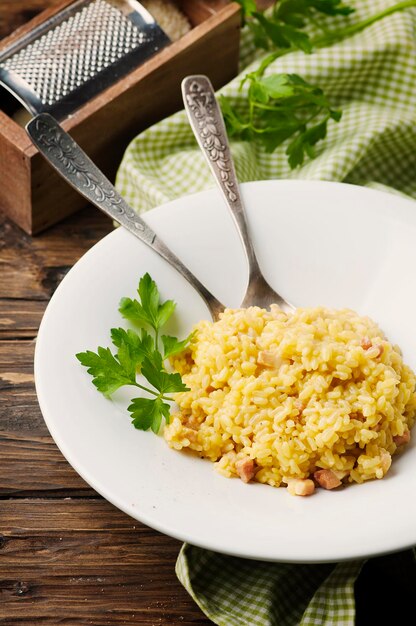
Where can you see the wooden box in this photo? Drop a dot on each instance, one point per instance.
(32, 194)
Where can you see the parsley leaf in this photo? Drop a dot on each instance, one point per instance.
(147, 413)
(163, 381)
(172, 346)
(282, 26)
(108, 373)
(137, 346)
(148, 310)
(132, 348)
(283, 35)
(139, 352)
(248, 7)
(282, 106)
(304, 142)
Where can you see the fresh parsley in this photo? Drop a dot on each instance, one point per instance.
(138, 352)
(149, 310)
(284, 107)
(283, 25)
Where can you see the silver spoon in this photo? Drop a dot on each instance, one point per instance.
(71, 162)
(207, 123)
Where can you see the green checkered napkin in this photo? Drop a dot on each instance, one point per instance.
(372, 78)
(237, 592)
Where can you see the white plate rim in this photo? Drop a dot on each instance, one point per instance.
(395, 543)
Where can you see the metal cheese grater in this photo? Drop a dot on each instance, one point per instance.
(77, 53)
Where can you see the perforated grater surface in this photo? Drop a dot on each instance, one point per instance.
(77, 53)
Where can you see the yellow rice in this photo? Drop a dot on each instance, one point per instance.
(328, 402)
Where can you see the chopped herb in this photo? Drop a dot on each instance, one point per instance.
(138, 352)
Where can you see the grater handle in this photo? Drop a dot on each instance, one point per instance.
(71, 162)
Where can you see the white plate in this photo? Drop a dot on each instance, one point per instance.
(319, 243)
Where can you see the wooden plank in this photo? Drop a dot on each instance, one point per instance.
(19, 409)
(85, 562)
(146, 599)
(20, 318)
(31, 465)
(31, 268)
(24, 417)
(30, 462)
(16, 355)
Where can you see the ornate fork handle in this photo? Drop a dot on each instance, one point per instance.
(206, 120)
(69, 160)
(207, 123)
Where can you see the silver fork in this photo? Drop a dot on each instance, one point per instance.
(71, 162)
(207, 123)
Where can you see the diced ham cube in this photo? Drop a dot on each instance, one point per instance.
(357, 416)
(270, 359)
(327, 479)
(367, 344)
(191, 434)
(400, 440)
(245, 469)
(301, 487)
(298, 404)
(380, 349)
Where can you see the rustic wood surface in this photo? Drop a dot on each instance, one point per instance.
(66, 555)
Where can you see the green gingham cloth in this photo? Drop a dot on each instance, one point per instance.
(237, 592)
(371, 76)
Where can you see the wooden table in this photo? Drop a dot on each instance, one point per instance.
(66, 555)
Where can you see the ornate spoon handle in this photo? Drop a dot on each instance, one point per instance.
(69, 160)
(207, 123)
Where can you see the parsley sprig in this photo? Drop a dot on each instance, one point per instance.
(138, 352)
(283, 26)
(283, 107)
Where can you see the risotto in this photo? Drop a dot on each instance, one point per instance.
(317, 397)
